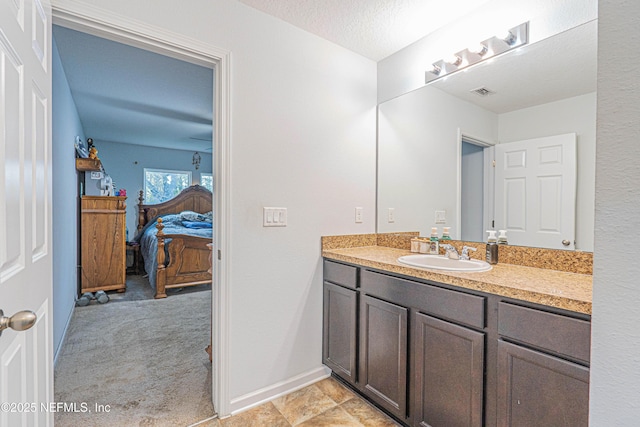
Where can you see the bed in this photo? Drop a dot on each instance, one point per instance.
(175, 256)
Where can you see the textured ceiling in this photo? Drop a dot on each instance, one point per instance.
(372, 28)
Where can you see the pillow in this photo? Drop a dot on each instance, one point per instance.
(195, 216)
(197, 224)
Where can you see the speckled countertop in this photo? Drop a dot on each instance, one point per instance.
(569, 291)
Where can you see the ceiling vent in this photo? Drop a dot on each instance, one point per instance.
(482, 91)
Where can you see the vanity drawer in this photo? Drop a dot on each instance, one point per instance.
(560, 334)
(439, 302)
(340, 274)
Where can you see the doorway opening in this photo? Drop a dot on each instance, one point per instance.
(476, 188)
(175, 46)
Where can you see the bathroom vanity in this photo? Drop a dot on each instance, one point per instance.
(507, 347)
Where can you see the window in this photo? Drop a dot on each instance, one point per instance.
(161, 185)
(206, 180)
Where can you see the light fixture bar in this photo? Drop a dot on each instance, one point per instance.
(512, 39)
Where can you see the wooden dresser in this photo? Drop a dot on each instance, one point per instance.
(103, 243)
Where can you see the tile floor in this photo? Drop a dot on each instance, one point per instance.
(325, 403)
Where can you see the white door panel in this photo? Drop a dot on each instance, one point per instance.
(536, 191)
(26, 359)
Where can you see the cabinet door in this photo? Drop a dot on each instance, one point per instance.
(449, 373)
(536, 389)
(339, 331)
(383, 354)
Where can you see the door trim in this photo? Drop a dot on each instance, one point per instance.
(106, 24)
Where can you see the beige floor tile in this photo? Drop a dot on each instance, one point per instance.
(261, 416)
(367, 414)
(334, 417)
(210, 423)
(303, 404)
(336, 391)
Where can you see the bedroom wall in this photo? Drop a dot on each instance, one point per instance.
(65, 127)
(303, 136)
(125, 164)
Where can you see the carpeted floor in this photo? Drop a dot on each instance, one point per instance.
(137, 363)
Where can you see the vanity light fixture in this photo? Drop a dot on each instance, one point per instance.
(196, 160)
(514, 38)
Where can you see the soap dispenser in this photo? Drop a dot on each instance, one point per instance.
(434, 245)
(446, 233)
(492, 247)
(502, 237)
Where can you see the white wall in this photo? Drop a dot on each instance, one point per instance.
(404, 70)
(577, 114)
(125, 164)
(418, 149)
(615, 337)
(65, 127)
(303, 137)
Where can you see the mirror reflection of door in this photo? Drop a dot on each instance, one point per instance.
(476, 189)
(535, 192)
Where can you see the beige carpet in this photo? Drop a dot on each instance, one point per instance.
(144, 359)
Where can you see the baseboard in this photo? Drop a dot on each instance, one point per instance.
(271, 392)
(64, 335)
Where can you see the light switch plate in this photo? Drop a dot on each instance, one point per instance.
(391, 215)
(441, 217)
(274, 217)
(358, 215)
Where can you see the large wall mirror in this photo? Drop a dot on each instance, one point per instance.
(462, 148)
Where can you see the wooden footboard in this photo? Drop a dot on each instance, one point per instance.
(187, 263)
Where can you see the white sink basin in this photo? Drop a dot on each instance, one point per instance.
(439, 262)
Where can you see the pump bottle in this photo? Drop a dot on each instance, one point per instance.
(492, 247)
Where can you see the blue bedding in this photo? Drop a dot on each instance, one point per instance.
(149, 242)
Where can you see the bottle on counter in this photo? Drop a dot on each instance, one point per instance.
(415, 245)
(445, 233)
(492, 247)
(434, 244)
(502, 237)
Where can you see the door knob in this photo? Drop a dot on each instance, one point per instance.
(566, 242)
(21, 321)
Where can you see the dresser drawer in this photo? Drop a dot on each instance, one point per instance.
(340, 274)
(566, 336)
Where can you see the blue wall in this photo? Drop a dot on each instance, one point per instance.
(125, 164)
(65, 127)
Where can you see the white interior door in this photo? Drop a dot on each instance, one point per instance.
(26, 361)
(536, 191)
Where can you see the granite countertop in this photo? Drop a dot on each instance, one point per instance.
(569, 291)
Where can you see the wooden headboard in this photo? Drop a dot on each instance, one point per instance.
(194, 198)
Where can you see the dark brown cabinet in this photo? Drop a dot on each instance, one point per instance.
(340, 334)
(449, 374)
(435, 355)
(543, 379)
(383, 353)
(340, 320)
(539, 390)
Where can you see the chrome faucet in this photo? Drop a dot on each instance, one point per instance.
(465, 252)
(451, 252)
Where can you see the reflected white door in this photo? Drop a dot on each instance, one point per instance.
(26, 361)
(536, 191)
